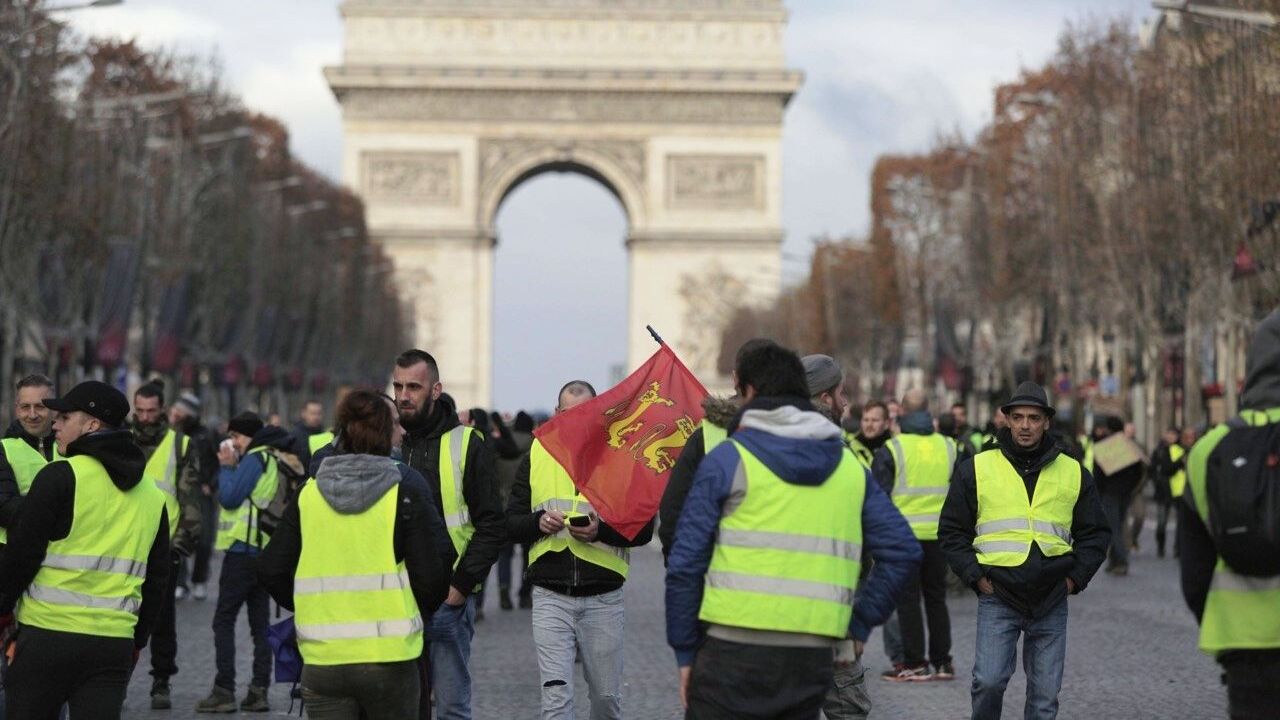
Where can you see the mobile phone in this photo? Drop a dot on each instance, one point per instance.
(580, 520)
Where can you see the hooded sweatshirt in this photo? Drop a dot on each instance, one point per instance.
(49, 508)
(10, 499)
(802, 447)
(351, 484)
(1198, 555)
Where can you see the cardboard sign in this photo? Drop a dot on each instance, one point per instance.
(1116, 453)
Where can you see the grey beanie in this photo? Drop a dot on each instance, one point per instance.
(821, 373)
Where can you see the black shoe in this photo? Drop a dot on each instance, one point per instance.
(220, 700)
(255, 700)
(526, 602)
(160, 699)
(945, 671)
(504, 598)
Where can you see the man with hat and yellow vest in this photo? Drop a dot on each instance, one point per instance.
(577, 565)
(767, 556)
(86, 564)
(1168, 468)
(28, 446)
(1022, 526)
(248, 480)
(915, 467)
(1238, 607)
(463, 469)
(172, 466)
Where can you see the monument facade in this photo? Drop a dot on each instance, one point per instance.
(675, 106)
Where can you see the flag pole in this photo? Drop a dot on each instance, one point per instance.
(657, 338)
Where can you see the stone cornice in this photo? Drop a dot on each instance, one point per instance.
(750, 10)
(694, 238)
(783, 82)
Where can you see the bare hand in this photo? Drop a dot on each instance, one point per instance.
(208, 491)
(985, 587)
(1071, 586)
(586, 533)
(226, 456)
(455, 598)
(551, 522)
(684, 686)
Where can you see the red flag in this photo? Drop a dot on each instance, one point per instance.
(619, 448)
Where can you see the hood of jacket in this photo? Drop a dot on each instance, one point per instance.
(116, 450)
(273, 437)
(919, 422)
(719, 411)
(443, 418)
(353, 483)
(798, 443)
(1262, 379)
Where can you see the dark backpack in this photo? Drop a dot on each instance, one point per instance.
(1242, 488)
(290, 476)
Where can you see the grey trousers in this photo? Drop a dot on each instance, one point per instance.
(847, 699)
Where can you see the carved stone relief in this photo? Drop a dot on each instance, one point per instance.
(429, 178)
(498, 154)
(715, 182)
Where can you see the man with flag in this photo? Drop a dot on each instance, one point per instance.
(577, 565)
(767, 554)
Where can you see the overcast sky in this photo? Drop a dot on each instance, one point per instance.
(880, 77)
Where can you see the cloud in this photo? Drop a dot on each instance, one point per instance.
(292, 88)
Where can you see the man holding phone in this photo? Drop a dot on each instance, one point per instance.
(577, 565)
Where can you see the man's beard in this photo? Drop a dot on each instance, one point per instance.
(412, 418)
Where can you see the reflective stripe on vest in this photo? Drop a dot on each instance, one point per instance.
(787, 556)
(1241, 612)
(242, 523)
(860, 451)
(712, 435)
(551, 488)
(1178, 481)
(352, 599)
(453, 468)
(1008, 523)
(90, 582)
(26, 463)
(162, 467)
(319, 440)
(922, 473)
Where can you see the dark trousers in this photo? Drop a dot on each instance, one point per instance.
(364, 691)
(1253, 684)
(208, 531)
(238, 585)
(733, 681)
(50, 669)
(164, 634)
(1165, 508)
(1115, 505)
(929, 582)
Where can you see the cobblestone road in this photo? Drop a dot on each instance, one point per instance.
(1131, 655)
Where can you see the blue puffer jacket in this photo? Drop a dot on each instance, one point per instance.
(802, 447)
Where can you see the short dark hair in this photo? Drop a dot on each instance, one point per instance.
(773, 371)
(312, 401)
(150, 390)
(578, 387)
(413, 356)
(873, 404)
(365, 423)
(33, 380)
(960, 405)
(749, 346)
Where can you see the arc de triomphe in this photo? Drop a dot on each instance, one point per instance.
(675, 106)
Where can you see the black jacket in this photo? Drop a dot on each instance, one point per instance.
(562, 571)
(10, 499)
(719, 412)
(1037, 585)
(417, 538)
(421, 451)
(49, 508)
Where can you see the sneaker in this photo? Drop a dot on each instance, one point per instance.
(908, 673)
(199, 591)
(944, 671)
(180, 593)
(255, 700)
(160, 699)
(892, 672)
(220, 700)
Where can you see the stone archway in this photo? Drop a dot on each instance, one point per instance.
(674, 105)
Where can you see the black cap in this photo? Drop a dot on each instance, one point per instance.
(246, 423)
(94, 398)
(1029, 394)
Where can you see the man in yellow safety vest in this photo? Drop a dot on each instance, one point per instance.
(28, 446)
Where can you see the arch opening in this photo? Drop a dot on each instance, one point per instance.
(560, 284)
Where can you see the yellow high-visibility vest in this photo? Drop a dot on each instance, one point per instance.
(922, 474)
(162, 468)
(787, 557)
(242, 523)
(551, 488)
(26, 462)
(1008, 523)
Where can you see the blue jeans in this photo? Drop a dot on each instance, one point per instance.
(449, 648)
(1044, 654)
(562, 625)
(893, 640)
